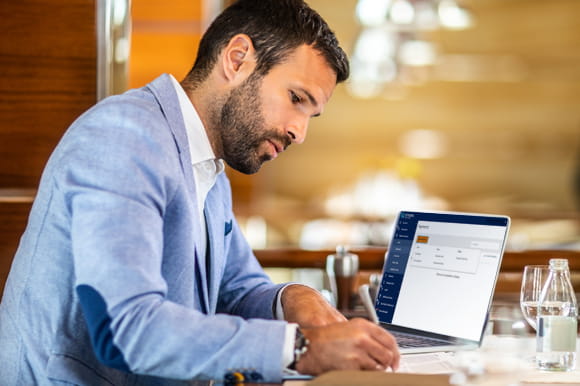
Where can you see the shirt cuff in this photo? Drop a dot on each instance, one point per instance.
(290, 336)
(288, 353)
(279, 311)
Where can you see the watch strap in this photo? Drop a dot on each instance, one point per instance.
(300, 348)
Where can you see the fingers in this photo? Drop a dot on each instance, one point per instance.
(366, 362)
(381, 346)
(356, 344)
(387, 352)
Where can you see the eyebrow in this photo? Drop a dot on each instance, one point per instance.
(313, 101)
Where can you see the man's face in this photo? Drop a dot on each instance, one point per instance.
(264, 115)
(246, 129)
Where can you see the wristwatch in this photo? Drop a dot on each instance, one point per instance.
(300, 348)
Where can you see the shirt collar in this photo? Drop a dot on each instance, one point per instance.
(199, 145)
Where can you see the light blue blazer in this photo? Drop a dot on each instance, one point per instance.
(107, 286)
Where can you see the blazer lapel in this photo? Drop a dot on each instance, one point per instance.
(217, 230)
(163, 90)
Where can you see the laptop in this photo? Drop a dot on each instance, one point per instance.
(439, 278)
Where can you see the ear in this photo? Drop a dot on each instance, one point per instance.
(238, 58)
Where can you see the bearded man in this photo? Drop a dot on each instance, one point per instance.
(133, 270)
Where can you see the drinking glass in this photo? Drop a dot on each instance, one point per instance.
(533, 281)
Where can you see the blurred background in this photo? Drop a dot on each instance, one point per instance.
(451, 105)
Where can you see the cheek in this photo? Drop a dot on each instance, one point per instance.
(271, 117)
(273, 112)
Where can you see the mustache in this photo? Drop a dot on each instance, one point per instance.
(284, 140)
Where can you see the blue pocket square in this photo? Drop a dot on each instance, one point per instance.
(228, 228)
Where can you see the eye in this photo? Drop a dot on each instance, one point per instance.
(295, 98)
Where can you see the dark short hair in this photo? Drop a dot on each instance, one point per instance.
(276, 27)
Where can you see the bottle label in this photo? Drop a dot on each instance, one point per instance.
(556, 333)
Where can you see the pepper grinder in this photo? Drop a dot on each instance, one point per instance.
(342, 270)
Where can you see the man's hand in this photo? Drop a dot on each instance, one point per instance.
(335, 343)
(354, 345)
(307, 307)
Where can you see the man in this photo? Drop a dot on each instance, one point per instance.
(132, 269)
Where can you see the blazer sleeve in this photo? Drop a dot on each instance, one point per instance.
(245, 289)
(110, 176)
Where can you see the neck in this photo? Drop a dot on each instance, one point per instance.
(207, 103)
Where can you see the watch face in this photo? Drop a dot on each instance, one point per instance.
(300, 348)
(300, 344)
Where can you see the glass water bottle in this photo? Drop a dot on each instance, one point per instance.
(557, 320)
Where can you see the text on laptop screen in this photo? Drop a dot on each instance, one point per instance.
(440, 272)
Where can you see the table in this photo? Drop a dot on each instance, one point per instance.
(505, 360)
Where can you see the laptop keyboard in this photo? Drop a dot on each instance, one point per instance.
(410, 341)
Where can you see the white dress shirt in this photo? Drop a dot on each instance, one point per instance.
(206, 168)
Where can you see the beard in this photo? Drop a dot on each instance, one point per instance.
(242, 128)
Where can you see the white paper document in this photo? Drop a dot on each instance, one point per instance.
(427, 363)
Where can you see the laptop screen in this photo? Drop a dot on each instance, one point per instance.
(440, 272)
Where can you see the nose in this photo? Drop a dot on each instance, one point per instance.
(297, 131)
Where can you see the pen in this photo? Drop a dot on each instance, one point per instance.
(365, 296)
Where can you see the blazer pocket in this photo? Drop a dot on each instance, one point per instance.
(228, 228)
(65, 368)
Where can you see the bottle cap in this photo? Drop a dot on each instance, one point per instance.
(343, 263)
(559, 263)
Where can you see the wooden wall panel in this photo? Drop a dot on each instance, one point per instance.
(159, 10)
(14, 217)
(48, 58)
(155, 54)
(164, 38)
(47, 78)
